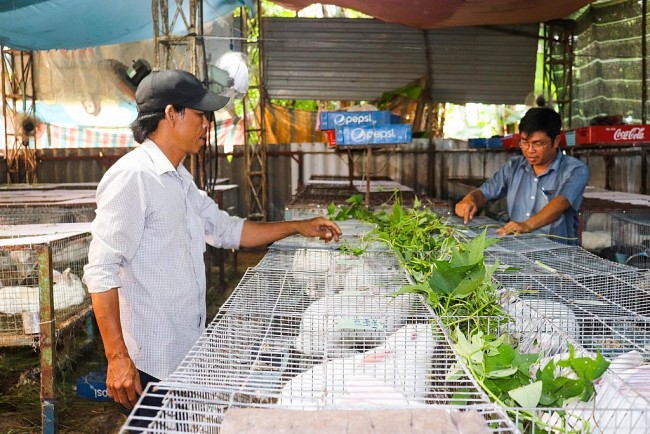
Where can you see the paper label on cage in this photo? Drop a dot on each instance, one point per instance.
(359, 324)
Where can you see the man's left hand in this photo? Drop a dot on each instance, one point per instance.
(513, 227)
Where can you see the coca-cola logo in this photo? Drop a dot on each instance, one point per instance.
(636, 133)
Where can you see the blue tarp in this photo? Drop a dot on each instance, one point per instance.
(72, 24)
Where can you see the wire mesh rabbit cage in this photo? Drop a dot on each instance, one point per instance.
(631, 239)
(277, 344)
(310, 328)
(42, 296)
(36, 206)
(26, 264)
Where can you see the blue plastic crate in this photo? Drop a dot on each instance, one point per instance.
(483, 143)
(477, 143)
(495, 143)
(93, 386)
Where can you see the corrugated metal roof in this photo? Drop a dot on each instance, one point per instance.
(483, 65)
(339, 59)
(357, 59)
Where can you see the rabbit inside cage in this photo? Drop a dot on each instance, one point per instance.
(20, 282)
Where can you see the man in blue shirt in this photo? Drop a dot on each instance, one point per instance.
(543, 187)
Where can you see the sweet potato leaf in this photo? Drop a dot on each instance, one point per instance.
(527, 396)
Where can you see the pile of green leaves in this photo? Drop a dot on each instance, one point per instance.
(505, 374)
(449, 272)
(459, 286)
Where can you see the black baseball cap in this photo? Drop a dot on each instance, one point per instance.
(176, 87)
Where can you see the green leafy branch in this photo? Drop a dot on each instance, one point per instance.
(507, 375)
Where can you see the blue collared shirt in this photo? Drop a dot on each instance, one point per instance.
(149, 236)
(528, 193)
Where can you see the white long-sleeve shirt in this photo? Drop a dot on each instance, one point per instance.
(149, 237)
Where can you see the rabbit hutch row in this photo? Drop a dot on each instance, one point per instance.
(316, 327)
(44, 239)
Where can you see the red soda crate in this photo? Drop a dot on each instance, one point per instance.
(596, 134)
(331, 138)
(510, 141)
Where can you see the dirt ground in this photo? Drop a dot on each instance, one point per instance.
(20, 408)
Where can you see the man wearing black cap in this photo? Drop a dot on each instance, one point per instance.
(146, 272)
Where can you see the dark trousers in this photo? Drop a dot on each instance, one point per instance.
(149, 401)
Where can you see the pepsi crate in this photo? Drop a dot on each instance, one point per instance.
(379, 135)
(93, 386)
(334, 120)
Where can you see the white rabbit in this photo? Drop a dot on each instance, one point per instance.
(73, 251)
(596, 240)
(68, 291)
(24, 261)
(537, 322)
(312, 260)
(351, 273)
(392, 375)
(345, 324)
(17, 299)
(621, 404)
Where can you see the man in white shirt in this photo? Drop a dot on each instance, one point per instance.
(146, 273)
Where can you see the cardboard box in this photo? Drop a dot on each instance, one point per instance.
(381, 135)
(612, 134)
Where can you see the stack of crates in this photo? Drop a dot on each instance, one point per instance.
(364, 128)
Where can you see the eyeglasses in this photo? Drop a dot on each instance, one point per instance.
(537, 145)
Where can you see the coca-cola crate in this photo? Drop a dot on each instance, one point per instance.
(599, 134)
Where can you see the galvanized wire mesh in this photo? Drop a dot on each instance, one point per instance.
(631, 238)
(602, 312)
(35, 214)
(19, 276)
(575, 261)
(276, 343)
(330, 261)
(300, 333)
